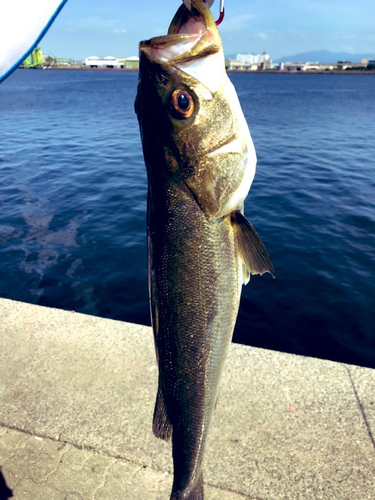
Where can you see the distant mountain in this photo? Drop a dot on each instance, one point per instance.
(324, 56)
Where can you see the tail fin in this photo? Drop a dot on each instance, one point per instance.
(197, 492)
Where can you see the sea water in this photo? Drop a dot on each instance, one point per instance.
(73, 204)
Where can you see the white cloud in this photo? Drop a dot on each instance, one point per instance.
(119, 31)
(236, 23)
(261, 35)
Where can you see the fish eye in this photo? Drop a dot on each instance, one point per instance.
(182, 103)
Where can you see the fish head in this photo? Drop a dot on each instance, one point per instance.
(189, 112)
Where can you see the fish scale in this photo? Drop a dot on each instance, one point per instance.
(197, 330)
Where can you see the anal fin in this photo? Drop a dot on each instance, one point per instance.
(251, 249)
(161, 426)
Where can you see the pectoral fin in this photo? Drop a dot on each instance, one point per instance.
(251, 249)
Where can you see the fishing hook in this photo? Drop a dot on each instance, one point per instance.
(209, 3)
(221, 15)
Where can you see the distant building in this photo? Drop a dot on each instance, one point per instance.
(249, 59)
(34, 59)
(131, 62)
(245, 59)
(232, 65)
(311, 67)
(248, 62)
(256, 67)
(102, 62)
(368, 61)
(327, 67)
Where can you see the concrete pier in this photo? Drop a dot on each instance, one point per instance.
(76, 402)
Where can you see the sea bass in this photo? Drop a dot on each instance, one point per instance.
(200, 163)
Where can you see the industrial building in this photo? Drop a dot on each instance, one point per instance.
(250, 59)
(102, 62)
(248, 62)
(112, 62)
(131, 62)
(34, 59)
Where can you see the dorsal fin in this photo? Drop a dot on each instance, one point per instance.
(251, 249)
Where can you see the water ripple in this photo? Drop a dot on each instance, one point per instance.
(73, 199)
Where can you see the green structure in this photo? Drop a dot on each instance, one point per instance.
(129, 62)
(34, 59)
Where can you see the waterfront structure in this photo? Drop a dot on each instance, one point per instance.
(60, 62)
(34, 59)
(316, 413)
(234, 65)
(102, 62)
(311, 67)
(367, 61)
(248, 62)
(243, 62)
(308, 66)
(302, 66)
(249, 59)
(131, 62)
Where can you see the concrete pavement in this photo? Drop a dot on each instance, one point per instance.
(76, 402)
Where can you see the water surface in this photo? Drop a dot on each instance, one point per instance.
(73, 204)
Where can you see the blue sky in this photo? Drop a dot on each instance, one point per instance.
(282, 28)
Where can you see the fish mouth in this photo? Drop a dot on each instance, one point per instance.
(191, 34)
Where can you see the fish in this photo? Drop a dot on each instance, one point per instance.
(200, 162)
